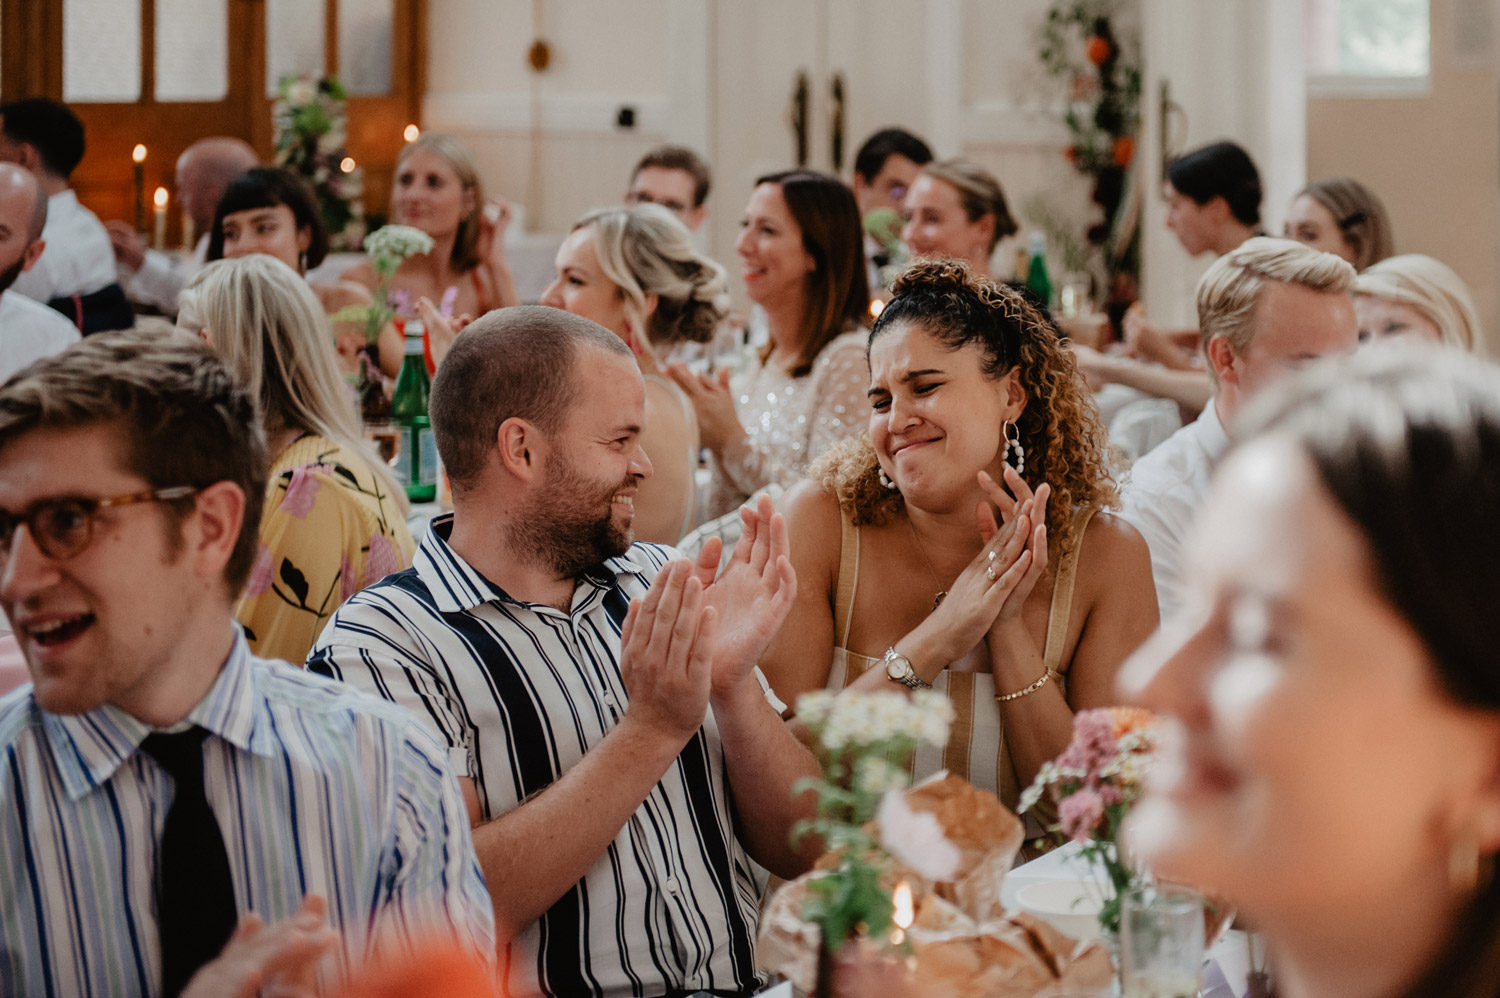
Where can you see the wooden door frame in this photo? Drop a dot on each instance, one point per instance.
(31, 65)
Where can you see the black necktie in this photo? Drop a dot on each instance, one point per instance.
(195, 907)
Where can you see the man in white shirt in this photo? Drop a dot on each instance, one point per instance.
(76, 273)
(204, 169)
(1264, 309)
(29, 330)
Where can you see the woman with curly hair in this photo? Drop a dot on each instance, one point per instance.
(960, 544)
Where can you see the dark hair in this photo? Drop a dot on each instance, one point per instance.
(679, 158)
(883, 145)
(1360, 216)
(49, 126)
(509, 363)
(838, 291)
(1059, 426)
(1221, 170)
(1406, 441)
(267, 187)
(184, 417)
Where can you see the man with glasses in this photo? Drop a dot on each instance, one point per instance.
(157, 781)
(676, 178)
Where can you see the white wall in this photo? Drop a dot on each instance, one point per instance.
(1434, 159)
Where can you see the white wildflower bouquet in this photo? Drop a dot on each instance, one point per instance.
(387, 247)
(863, 743)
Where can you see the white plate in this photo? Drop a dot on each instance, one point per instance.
(1069, 906)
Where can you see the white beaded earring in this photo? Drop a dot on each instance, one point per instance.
(1013, 443)
(885, 479)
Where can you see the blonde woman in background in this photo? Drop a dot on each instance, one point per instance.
(437, 189)
(334, 518)
(635, 272)
(957, 211)
(1417, 296)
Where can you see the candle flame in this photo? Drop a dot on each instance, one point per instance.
(138, 153)
(411, 132)
(347, 164)
(876, 307)
(160, 197)
(901, 900)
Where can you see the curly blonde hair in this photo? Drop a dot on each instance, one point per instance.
(1060, 426)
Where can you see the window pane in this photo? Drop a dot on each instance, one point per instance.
(294, 40)
(1368, 37)
(365, 46)
(192, 50)
(101, 51)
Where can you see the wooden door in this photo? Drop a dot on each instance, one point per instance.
(164, 73)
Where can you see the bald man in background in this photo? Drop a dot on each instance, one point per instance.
(29, 330)
(204, 169)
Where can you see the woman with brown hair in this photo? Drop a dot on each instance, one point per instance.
(802, 259)
(961, 544)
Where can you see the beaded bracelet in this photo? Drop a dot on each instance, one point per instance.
(1018, 694)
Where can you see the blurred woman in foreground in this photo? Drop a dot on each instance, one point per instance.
(1332, 764)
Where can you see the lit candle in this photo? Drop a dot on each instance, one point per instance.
(159, 199)
(876, 307)
(411, 132)
(347, 164)
(138, 155)
(903, 913)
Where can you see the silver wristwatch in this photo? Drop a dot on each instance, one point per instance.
(898, 667)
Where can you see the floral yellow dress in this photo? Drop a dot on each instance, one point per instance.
(330, 527)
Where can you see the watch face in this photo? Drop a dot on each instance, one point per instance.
(896, 666)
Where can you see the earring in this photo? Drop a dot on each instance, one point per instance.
(884, 478)
(1012, 436)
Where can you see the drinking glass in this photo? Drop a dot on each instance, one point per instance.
(1161, 942)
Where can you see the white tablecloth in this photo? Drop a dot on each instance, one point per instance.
(1228, 967)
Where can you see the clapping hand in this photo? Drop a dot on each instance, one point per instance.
(665, 648)
(752, 595)
(1026, 513)
(279, 959)
(718, 420)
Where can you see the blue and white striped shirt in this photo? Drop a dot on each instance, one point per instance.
(317, 789)
(520, 691)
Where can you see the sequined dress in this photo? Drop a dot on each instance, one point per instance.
(789, 421)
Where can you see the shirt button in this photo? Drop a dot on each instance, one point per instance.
(671, 885)
(609, 698)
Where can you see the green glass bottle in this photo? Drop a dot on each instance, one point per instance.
(416, 453)
(1036, 271)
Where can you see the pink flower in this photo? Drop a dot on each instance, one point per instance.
(298, 500)
(384, 559)
(1093, 743)
(261, 573)
(1079, 814)
(1109, 794)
